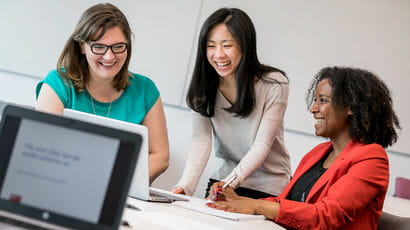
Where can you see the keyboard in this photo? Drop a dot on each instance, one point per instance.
(153, 193)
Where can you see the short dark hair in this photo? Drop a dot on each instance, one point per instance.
(205, 80)
(373, 119)
(74, 63)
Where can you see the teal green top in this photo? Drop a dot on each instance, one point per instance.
(132, 106)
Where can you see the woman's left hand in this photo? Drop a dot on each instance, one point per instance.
(242, 205)
(247, 205)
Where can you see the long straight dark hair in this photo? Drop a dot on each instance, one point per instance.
(205, 80)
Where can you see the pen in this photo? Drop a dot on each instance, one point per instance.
(132, 207)
(215, 195)
(229, 182)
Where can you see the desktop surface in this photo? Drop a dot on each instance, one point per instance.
(397, 206)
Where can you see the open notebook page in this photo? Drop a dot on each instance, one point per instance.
(199, 205)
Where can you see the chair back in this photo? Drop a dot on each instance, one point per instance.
(402, 188)
(389, 221)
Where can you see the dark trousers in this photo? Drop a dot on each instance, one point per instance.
(241, 191)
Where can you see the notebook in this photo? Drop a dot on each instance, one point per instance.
(140, 187)
(199, 205)
(61, 173)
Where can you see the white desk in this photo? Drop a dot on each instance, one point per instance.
(397, 206)
(166, 216)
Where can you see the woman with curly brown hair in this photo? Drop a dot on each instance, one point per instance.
(342, 183)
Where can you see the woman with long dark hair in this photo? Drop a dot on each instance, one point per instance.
(240, 104)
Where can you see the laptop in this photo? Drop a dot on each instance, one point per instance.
(62, 173)
(140, 187)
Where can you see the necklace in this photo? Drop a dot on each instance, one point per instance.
(93, 106)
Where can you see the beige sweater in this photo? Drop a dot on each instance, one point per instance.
(252, 147)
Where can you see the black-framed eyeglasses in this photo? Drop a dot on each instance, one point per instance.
(116, 48)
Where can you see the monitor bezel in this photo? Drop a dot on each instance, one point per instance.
(120, 180)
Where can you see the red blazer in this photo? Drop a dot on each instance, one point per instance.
(349, 195)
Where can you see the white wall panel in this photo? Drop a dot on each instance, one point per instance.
(301, 37)
(297, 36)
(34, 34)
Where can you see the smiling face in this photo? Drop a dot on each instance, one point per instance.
(105, 66)
(223, 52)
(331, 122)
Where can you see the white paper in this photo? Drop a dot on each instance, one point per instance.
(199, 205)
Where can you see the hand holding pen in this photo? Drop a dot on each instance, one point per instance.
(218, 191)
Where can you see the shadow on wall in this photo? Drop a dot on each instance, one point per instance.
(2, 105)
(179, 123)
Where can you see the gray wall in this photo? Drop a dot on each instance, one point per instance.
(297, 36)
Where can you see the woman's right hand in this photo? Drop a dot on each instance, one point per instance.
(178, 190)
(217, 193)
(229, 194)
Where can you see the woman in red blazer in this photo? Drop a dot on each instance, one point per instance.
(340, 184)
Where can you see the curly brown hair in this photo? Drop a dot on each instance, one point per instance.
(367, 96)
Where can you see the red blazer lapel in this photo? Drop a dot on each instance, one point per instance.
(306, 163)
(331, 172)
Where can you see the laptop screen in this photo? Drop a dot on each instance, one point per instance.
(140, 184)
(65, 170)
